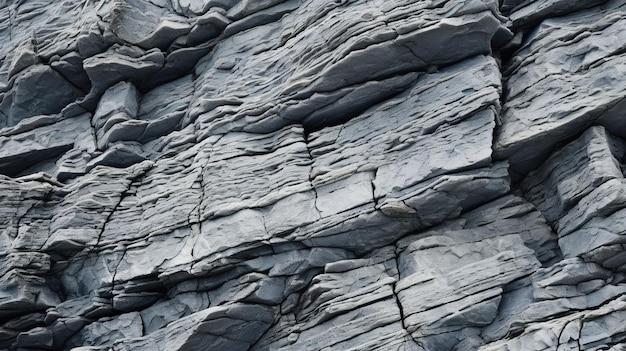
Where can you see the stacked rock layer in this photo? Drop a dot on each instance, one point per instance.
(312, 175)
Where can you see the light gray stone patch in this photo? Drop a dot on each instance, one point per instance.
(254, 176)
(21, 197)
(172, 180)
(73, 226)
(215, 237)
(434, 107)
(512, 214)
(358, 229)
(602, 201)
(594, 329)
(349, 306)
(291, 212)
(164, 312)
(414, 166)
(152, 106)
(171, 144)
(87, 274)
(446, 287)
(365, 226)
(106, 331)
(345, 194)
(350, 57)
(252, 288)
(211, 328)
(145, 258)
(23, 57)
(600, 240)
(444, 197)
(573, 172)
(507, 217)
(530, 12)
(24, 286)
(582, 72)
(580, 190)
(146, 25)
(565, 288)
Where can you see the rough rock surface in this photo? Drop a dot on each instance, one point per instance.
(312, 175)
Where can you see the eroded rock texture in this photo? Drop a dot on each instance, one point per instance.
(312, 175)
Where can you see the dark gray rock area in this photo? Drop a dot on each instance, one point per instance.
(435, 175)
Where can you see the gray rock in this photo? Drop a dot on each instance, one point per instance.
(598, 328)
(530, 12)
(145, 24)
(23, 150)
(106, 331)
(581, 73)
(312, 175)
(121, 63)
(452, 286)
(580, 190)
(36, 90)
(210, 328)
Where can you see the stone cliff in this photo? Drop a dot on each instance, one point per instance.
(312, 175)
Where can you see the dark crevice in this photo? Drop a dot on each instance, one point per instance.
(131, 183)
(397, 300)
(16, 165)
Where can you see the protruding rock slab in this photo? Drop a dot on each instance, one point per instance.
(568, 74)
(580, 189)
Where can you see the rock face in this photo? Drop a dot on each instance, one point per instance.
(312, 175)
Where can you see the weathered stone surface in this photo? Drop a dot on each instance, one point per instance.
(575, 60)
(312, 175)
(36, 90)
(580, 190)
(525, 13)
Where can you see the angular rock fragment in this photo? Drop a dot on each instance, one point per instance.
(355, 299)
(145, 24)
(580, 190)
(409, 38)
(121, 63)
(451, 283)
(36, 90)
(28, 149)
(525, 13)
(24, 287)
(596, 328)
(211, 328)
(577, 61)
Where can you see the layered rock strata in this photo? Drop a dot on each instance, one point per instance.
(312, 175)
